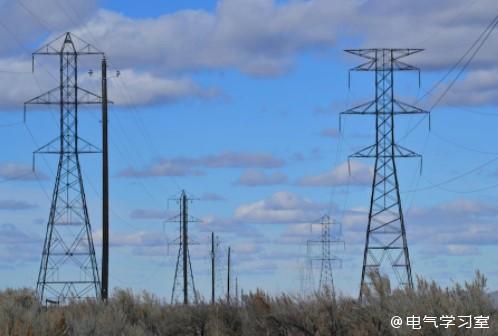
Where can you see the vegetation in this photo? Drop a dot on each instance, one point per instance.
(256, 314)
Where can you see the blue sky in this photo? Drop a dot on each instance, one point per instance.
(237, 102)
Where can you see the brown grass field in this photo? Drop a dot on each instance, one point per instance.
(256, 314)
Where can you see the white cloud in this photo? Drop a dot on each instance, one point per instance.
(187, 166)
(11, 235)
(258, 37)
(19, 172)
(143, 88)
(456, 222)
(478, 88)
(281, 207)
(252, 178)
(212, 197)
(16, 205)
(28, 20)
(361, 174)
(135, 239)
(150, 214)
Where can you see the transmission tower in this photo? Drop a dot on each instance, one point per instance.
(386, 235)
(220, 266)
(326, 257)
(183, 263)
(68, 267)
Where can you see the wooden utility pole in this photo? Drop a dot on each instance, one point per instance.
(213, 269)
(105, 188)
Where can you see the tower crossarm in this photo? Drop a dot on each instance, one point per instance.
(370, 109)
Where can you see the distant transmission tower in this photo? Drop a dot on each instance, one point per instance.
(386, 235)
(183, 263)
(68, 267)
(326, 257)
(220, 266)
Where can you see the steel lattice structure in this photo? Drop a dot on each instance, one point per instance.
(326, 256)
(68, 268)
(386, 235)
(183, 263)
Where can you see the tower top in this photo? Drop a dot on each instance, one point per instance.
(68, 43)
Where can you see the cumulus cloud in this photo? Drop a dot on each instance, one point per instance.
(478, 88)
(186, 166)
(145, 88)
(451, 250)
(241, 160)
(256, 266)
(212, 197)
(227, 225)
(18, 84)
(260, 38)
(361, 174)
(253, 178)
(281, 207)
(11, 238)
(445, 33)
(37, 17)
(10, 234)
(164, 167)
(134, 87)
(456, 222)
(150, 214)
(19, 172)
(130, 89)
(453, 226)
(133, 239)
(257, 37)
(16, 205)
(264, 36)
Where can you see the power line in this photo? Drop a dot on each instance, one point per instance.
(479, 42)
(464, 147)
(124, 91)
(448, 88)
(37, 18)
(454, 178)
(48, 29)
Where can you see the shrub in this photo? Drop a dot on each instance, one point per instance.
(256, 314)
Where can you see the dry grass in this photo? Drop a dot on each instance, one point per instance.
(256, 315)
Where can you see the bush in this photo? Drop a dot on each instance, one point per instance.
(256, 314)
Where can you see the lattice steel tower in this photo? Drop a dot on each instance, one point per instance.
(68, 267)
(325, 257)
(183, 263)
(386, 235)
